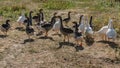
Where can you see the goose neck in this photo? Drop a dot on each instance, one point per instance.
(76, 28)
(90, 21)
(69, 15)
(41, 16)
(80, 20)
(61, 26)
(30, 20)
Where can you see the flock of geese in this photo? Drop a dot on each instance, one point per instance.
(81, 30)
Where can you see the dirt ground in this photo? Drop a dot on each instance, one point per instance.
(17, 52)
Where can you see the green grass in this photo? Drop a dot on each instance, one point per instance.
(59, 5)
(102, 8)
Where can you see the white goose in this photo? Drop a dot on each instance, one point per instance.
(111, 33)
(88, 30)
(56, 26)
(103, 30)
(21, 18)
(81, 24)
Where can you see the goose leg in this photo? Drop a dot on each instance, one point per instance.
(102, 37)
(68, 38)
(108, 39)
(57, 32)
(105, 38)
(29, 37)
(80, 44)
(5, 33)
(77, 43)
(64, 38)
(113, 39)
(46, 34)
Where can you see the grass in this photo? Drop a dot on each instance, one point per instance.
(32, 50)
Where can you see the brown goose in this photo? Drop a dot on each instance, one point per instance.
(48, 26)
(65, 31)
(29, 29)
(5, 27)
(66, 20)
(77, 35)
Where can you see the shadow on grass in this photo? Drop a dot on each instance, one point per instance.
(20, 28)
(39, 34)
(28, 40)
(61, 44)
(111, 44)
(89, 41)
(79, 48)
(44, 37)
(3, 36)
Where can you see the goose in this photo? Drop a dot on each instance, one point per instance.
(41, 16)
(21, 19)
(56, 26)
(5, 27)
(77, 35)
(111, 33)
(29, 30)
(81, 24)
(48, 26)
(65, 31)
(38, 25)
(88, 30)
(103, 30)
(66, 20)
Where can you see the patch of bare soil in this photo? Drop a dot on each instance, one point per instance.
(17, 52)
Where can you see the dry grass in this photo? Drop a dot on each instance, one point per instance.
(17, 52)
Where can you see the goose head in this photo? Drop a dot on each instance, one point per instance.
(7, 21)
(69, 14)
(31, 11)
(59, 17)
(41, 10)
(55, 13)
(53, 19)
